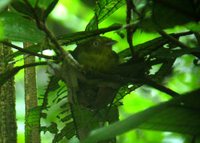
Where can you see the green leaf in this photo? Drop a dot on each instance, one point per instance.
(180, 114)
(3, 4)
(52, 128)
(104, 8)
(68, 131)
(43, 8)
(13, 27)
(22, 8)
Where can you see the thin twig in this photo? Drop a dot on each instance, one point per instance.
(130, 30)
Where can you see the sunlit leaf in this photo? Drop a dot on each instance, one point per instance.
(16, 28)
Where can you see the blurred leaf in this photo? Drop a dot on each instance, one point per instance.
(180, 114)
(179, 12)
(42, 8)
(16, 28)
(103, 9)
(3, 4)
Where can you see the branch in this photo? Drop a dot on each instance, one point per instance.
(32, 65)
(122, 80)
(5, 76)
(175, 41)
(28, 51)
(61, 53)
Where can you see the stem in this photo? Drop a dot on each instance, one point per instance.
(131, 29)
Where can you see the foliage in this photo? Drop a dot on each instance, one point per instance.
(26, 22)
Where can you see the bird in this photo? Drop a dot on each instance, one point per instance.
(96, 54)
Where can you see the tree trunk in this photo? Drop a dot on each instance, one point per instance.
(32, 129)
(8, 126)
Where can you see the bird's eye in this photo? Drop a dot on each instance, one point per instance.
(95, 43)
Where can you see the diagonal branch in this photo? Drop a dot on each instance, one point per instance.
(61, 53)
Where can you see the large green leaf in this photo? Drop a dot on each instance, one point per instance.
(42, 9)
(180, 114)
(104, 8)
(13, 27)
